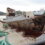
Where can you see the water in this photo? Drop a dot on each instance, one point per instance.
(2, 17)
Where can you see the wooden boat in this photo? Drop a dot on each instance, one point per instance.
(30, 27)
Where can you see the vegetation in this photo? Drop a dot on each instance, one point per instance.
(20, 12)
(2, 13)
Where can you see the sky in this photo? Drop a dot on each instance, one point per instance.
(23, 5)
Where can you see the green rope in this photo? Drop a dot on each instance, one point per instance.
(5, 42)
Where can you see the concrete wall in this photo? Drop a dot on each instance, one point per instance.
(29, 14)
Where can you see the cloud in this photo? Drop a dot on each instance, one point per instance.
(24, 5)
(37, 1)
